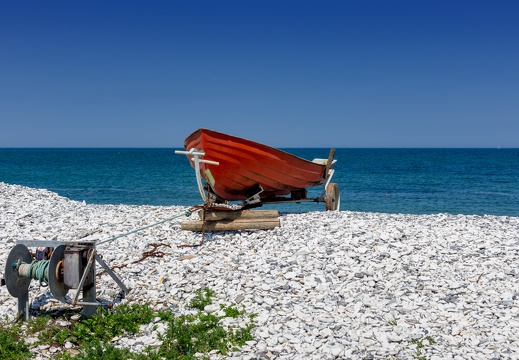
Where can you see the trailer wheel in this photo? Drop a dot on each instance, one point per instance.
(333, 197)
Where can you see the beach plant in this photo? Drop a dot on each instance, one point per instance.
(392, 322)
(203, 297)
(231, 311)
(101, 351)
(187, 336)
(420, 345)
(103, 326)
(12, 345)
(37, 324)
(106, 324)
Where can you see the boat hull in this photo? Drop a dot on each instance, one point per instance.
(244, 165)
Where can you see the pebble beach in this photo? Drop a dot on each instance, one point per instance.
(324, 285)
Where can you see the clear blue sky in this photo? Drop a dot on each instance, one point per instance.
(363, 73)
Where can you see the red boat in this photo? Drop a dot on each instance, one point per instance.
(236, 169)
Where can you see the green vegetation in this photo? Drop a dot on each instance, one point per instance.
(202, 298)
(10, 345)
(186, 337)
(392, 322)
(420, 345)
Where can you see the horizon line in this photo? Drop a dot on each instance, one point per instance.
(282, 147)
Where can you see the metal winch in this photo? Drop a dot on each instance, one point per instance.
(63, 265)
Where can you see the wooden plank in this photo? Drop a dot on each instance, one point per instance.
(218, 215)
(238, 224)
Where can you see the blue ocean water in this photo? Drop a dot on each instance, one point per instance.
(412, 181)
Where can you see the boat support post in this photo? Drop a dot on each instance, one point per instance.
(196, 154)
(328, 170)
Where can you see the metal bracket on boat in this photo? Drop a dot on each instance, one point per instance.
(330, 175)
(253, 195)
(329, 171)
(329, 178)
(196, 154)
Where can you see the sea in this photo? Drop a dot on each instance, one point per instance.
(399, 181)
